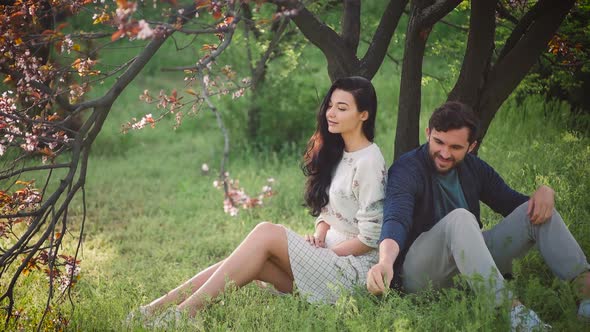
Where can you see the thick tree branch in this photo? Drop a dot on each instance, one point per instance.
(435, 12)
(480, 45)
(513, 67)
(382, 38)
(258, 72)
(342, 61)
(247, 17)
(445, 22)
(522, 26)
(351, 24)
(504, 13)
(4, 175)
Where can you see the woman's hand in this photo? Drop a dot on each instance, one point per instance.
(318, 239)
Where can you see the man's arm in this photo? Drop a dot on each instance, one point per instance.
(380, 275)
(541, 205)
(503, 199)
(398, 205)
(494, 192)
(398, 210)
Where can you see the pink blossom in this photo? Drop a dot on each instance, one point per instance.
(123, 13)
(145, 31)
(146, 96)
(31, 142)
(229, 208)
(67, 44)
(143, 122)
(238, 93)
(7, 104)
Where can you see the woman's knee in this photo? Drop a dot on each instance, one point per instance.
(266, 226)
(268, 230)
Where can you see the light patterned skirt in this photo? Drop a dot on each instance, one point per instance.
(321, 275)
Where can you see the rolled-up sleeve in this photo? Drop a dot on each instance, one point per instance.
(369, 188)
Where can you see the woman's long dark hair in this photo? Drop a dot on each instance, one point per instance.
(324, 149)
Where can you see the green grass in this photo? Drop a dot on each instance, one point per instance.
(154, 220)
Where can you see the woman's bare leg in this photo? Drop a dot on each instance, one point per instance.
(182, 292)
(179, 294)
(267, 243)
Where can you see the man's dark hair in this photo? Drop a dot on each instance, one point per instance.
(455, 115)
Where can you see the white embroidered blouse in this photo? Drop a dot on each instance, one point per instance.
(356, 195)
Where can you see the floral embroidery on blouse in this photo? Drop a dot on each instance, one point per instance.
(356, 195)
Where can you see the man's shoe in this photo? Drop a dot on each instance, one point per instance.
(584, 310)
(523, 319)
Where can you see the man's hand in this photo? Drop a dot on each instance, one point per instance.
(318, 239)
(541, 205)
(379, 277)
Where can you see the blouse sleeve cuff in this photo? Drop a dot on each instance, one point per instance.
(368, 241)
(319, 219)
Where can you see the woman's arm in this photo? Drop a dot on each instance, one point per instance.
(318, 238)
(369, 189)
(351, 247)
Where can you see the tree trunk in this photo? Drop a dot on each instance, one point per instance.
(484, 86)
(408, 116)
(423, 15)
(505, 76)
(478, 53)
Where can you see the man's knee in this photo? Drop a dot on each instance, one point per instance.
(522, 211)
(460, 222)
(461, 217)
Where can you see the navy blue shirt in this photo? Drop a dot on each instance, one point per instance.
(409, 209)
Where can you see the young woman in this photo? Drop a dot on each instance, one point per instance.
(345, 190)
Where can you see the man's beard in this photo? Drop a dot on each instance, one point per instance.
(452, 165)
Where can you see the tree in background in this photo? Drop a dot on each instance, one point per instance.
(486, 79)
(563, 73)
(487, 76)
(491, 69)
(49, 70)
